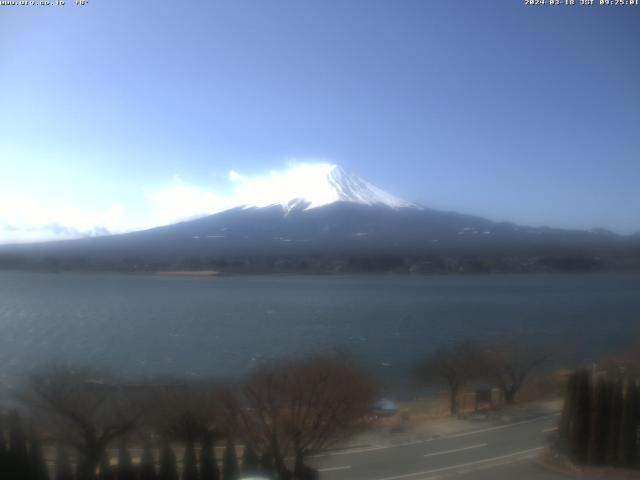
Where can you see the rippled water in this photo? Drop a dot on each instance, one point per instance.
(223, 326)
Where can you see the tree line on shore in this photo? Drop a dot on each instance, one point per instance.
(327, 263)
(600, 421)
(22, 457)
(281, 413)
(506, 364)
(95, 426)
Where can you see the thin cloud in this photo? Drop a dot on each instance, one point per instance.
(182, 201)
(27, 219)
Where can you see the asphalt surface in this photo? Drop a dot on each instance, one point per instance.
(499, 452)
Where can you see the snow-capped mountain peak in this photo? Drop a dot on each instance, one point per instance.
(313, 185)
(351, 188)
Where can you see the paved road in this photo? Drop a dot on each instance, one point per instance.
(496, 452)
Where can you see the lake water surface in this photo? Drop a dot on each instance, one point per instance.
(224, 325)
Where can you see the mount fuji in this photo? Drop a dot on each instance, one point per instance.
(319, 184)
(326, 219)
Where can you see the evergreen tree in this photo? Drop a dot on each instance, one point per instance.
(147, 464)
(579, 435)
(106, 471)
(168, 468)
(63, 469)
(4, 452)
(84, 471)
(627, 450)
(565, 425)
(307, 473)
(208, 463)
(614, 417)
(250, 461)
(230, 468)
(125, 465)
(599, 417)
(266, 464)
(37, 465)
(634, 460)
(18, 457)
(189, 462)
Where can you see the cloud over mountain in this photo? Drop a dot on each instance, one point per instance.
(27, 219)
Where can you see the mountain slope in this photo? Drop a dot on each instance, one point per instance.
(331, 215)
(337, 229)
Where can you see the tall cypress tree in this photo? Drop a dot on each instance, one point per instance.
(18, 454)
(37, 465)
(579, 435)
(125, 465)
(230, 468)
(634, 460)
(3, 452)
(599, 417)
(208, 463)
(266, 464)
(106, 471)
(605, 408)
(250, 461)
(189, 462)
(85, 469)
(147, 464)
(565, 425)
(168, 468)
(614, 417)
(63, 469)
(627, 449)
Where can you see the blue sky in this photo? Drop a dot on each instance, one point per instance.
(113, 112)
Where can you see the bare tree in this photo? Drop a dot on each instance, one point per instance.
(454, 365)
(296, 407)
(83, 408)
(511, 361)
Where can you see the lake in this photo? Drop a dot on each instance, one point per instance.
(139, 324)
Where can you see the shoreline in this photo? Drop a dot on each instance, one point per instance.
(218, 273)
(182, 273)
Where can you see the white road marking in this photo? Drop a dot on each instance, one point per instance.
(547, 430)
(487, 466)
(462, 465)
(491, 429)
(434, 439)
(333, 469)
(479, 445)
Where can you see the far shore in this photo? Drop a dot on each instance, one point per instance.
(276, 273)
(187, 273)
